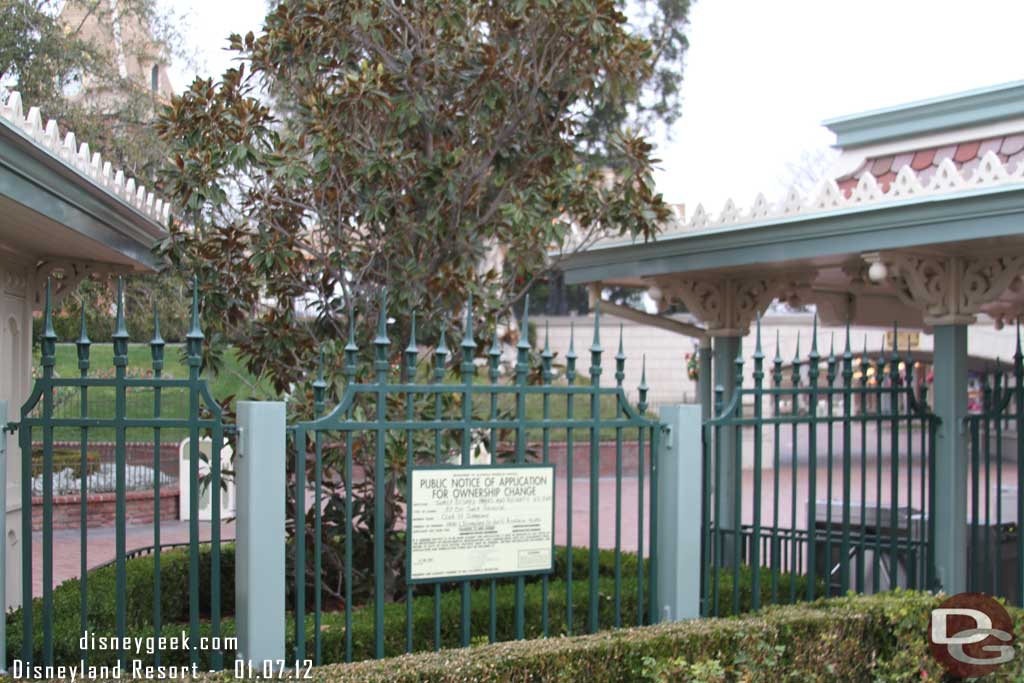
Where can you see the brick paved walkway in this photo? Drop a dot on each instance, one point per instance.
(66, 546)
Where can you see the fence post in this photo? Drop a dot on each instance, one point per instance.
(949, 514)
(260, 533)
(680, 483)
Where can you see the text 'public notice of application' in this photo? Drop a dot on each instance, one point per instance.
(480, 521)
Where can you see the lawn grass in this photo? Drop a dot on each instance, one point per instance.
(234, 382)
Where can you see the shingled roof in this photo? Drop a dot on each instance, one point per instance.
(966, 156)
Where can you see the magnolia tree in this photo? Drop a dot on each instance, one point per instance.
(435, 148)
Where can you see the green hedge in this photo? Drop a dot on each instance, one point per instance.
(174, 567)
(881, 638)
(174, 564)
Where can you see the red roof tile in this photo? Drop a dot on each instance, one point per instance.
(965, 156)
(966, 151)
(881, 165)
(885, 180)
(922, 159)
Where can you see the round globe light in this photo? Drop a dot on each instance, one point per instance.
(878, 271)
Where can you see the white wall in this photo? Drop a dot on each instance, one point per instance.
(15, 384)
(666, 355)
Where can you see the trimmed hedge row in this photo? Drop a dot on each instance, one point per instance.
(881, 638)
(174, 610)
(174, 567)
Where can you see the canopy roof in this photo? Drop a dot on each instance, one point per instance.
(951, 184)
(60, 202)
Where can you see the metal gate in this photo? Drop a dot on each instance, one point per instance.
(393, 425)
(383, 428)
(996, 402)
(819, 480)
(138, 415)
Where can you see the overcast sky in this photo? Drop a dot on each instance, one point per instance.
(761, 76)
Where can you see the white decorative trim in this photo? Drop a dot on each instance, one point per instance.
(827, 197)
(72, 273)
(951, 290)
(728, 306)
(80, 158)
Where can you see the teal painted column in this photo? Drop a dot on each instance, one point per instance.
(949, 513)
(705, 392)
(725, 479)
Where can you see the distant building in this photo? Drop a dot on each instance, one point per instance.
(133, 51)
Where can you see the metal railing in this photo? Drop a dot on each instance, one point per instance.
(405, 426)
(824, 475)
(39, 418)
(363, 450)
(995, 453)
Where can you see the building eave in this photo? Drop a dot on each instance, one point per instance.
(960, 110)
(967, 215)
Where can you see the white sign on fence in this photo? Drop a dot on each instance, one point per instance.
(482, 521)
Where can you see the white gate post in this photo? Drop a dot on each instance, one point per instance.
(680, 484)
(260, 534)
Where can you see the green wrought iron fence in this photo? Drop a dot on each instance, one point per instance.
(996, 545)
(39, 421)
(381, 431)
(820, 480)
(401, 426)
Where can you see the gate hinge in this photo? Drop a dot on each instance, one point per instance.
(11, 427)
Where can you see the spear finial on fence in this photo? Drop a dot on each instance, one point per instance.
(523, 347)
(1018, 359)
(546, 356)
(48, 331)
(83, 344)
(440, 357)
(831, 367)
(194, 338)
(777, 361)
(642, 389)
(847, 358)
(319, 385)
(595, 347)
(468, 344)
(758, 355)
(795, 375)
(412, 351)
(120, 335)
(620, 361)
(156, 344)
(814, 337)
(381, 341)
(351, 348)
(494, 357)
(570, 356)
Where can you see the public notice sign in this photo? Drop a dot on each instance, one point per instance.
(470, 522)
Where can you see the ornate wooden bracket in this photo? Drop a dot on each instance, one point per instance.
(951, 290)
(72, 273)
(728, 306)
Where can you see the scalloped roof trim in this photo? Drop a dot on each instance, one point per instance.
(79, 157)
